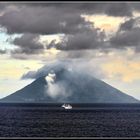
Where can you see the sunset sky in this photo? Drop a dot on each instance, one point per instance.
(104, 36)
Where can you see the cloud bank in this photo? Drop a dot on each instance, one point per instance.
(35, 19)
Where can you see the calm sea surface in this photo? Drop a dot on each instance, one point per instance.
(84, 120)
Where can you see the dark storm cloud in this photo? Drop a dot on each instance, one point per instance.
(111, 9)
(57, 18)
(33, 19)
(128, 35)
(2, 8)
(7, 7)
(46, 20)
(135, 6)
(119, 10)
(88, 39)
(4, 5)
(80, 34)
(127, 25)
(127, 38)
(28, 44)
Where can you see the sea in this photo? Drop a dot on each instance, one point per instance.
(37, 120)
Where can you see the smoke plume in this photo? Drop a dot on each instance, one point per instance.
(56, 90)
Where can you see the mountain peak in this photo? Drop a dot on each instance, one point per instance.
(64, 85)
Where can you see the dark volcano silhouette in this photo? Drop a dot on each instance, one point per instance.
(83, 89)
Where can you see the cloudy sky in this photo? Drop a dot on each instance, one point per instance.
(103, 36)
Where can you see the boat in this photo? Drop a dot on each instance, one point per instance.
(66, 106)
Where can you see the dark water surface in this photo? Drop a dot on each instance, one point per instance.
(84, 120)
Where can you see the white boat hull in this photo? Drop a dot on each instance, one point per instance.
(67, 106)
